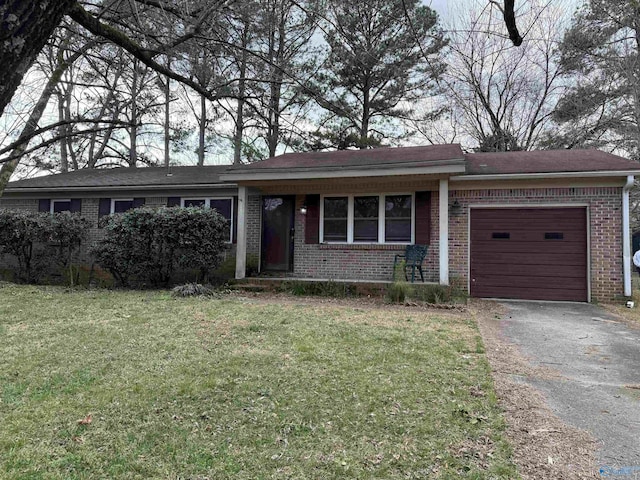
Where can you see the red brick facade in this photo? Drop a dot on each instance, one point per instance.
(363, 262)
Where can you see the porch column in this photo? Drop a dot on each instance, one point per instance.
(444, 231)
(241, 244)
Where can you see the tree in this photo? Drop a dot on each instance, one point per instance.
(502, 97)
(601, 55)
(383, 55)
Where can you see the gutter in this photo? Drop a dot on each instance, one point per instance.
(626, 236)
(108, 188)
(544, 176)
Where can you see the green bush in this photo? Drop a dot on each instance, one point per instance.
(398, 292)
(320, 289)
(145, 246)
(36, 239)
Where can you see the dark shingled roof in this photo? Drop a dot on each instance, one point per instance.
(546, 161)
(357, 158)
(536, 162)
(126, 177)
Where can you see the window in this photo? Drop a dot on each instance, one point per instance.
(121, 205)
(224, 207)
(397, 214)
(335, 219)
(60, 206)
(367, 219)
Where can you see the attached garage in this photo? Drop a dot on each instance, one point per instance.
(529, 253)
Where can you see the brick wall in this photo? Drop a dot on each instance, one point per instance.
(376, 262)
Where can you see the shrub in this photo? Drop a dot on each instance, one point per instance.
(398, 292)
(147, 245)
(191, 290)
(34, 238)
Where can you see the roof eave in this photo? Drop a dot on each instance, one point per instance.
(444, 167)
(171, 186)
(547, 175)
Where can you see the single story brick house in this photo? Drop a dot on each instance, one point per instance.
(550, 225)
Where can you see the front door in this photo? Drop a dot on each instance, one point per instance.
(277, 233)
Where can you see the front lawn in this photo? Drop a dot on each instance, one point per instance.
(101, 384)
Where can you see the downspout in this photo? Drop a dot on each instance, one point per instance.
(626, 236)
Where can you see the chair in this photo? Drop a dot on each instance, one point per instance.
(413, 257)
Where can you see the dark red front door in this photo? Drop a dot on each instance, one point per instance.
(277, 233)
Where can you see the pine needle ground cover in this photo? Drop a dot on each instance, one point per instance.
(106, 384)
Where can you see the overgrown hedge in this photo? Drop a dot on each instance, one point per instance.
(146, 246)
(38, 241)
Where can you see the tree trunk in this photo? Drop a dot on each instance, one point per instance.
(203, 127)
(242, 87)
(167, 117)
(25, 28)
(62, 131)
(133, 131)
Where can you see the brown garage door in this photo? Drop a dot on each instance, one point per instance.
(529, 253)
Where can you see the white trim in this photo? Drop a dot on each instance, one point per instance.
(456, 166)
(61, 200)
(545, 176)
(626, 237)
(381, 218)
(241, 246)
(112, 208)
(107, 188)
(207, 204)
(443, 245)
(481, 206)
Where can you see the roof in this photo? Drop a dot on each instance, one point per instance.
(436, 159)
(377, 157)
(146, 177)
(547, 161)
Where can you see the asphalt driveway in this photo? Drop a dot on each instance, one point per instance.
(598, 358)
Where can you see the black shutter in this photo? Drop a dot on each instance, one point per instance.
(423, 218)
(44, 205)
(234, 220)
(173, 202)
(312, 221)
(138, 202)
(104, 207)
(76, 205)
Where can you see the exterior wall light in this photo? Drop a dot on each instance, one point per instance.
(303, 209)
(455, 208)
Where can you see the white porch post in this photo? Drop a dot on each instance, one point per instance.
(444, 231)
(241, 244)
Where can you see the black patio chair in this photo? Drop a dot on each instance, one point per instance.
(413, 258)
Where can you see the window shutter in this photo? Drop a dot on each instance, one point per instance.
(423, 218)
(138, 202)
(104, 207)
(173, 202)
(312, 221)
(44, 205)
(76, 205)
(234, 220)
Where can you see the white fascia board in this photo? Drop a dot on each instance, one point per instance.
(544, 176)
(119, 188)
(342, 173)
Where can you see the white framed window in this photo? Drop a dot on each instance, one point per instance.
(121, 205)
(368, 218)
(60, 205)
(223, 205)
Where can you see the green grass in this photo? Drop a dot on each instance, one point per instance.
(207, 388)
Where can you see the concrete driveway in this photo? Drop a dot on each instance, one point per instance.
(599, 359)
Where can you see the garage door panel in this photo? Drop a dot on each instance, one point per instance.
(489, 248)
(529, 253)
(533, 294)
(507, 235)
(570, 271)
(519, 259)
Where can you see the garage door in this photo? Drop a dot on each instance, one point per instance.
(529, 253)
